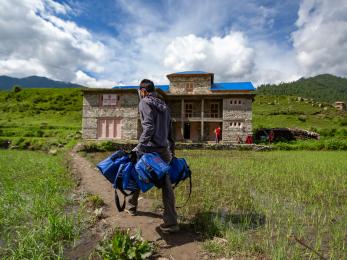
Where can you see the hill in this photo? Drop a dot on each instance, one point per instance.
(40, 117)
(54, 116)
(294, 112)
(325, 88)
(7, 82)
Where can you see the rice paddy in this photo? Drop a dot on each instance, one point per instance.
(277, 205)
(35, 222)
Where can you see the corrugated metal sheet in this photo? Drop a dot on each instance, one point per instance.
(164, 88)
(192, 72)
(233, 86)
(223, 86)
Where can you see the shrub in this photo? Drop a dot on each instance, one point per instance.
(124, 246)
(302, 118)
(16, 88)
(343, 122)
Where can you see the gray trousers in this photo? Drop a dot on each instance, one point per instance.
(168, 196)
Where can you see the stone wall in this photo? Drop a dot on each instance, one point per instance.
(237, 118)
(126, 110)
(201, 84)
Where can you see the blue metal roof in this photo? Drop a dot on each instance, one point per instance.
(164, 88)
(126, 87)
(192, 72)
(233, 86)
(223, 86)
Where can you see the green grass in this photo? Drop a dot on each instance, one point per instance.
(34, 220)
(287, 111)
(42, 117)
(259, 203)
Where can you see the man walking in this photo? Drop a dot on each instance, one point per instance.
(156, 137)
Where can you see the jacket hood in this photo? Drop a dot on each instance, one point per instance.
(155, 102)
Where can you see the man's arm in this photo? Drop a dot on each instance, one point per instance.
(147, 122)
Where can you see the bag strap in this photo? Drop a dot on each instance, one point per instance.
(190, 189)
(116, 198)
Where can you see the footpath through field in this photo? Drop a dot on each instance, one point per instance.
(181, 245)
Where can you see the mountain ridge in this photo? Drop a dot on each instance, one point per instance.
(7, 82)
(323, 87)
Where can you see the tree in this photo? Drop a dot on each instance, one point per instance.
(16, 88)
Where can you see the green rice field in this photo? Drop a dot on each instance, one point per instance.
(35, 222)
(272, 205)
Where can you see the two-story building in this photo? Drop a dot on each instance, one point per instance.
(198, 106)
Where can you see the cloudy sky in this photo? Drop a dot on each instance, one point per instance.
(110, 42)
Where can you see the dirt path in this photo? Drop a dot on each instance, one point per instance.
(182, 245)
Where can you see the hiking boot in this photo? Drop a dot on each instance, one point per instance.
(169, 228)
(131, 212)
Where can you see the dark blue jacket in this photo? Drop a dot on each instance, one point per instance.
(156, 124)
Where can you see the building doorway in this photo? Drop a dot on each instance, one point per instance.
(186, 131)
(109, 128)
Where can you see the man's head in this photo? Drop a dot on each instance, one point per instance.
(146, 87)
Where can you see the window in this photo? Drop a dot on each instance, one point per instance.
(188, 111)
(214, 110)
(237, 102)
(189, 86)
(236, 124)
(109, 99)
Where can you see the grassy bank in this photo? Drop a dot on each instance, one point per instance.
(266, 204)
(289, 111)
(35, 222)
(38, 119)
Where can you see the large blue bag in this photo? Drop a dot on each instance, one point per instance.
(109, 167)
(179, 170)
(150, 170)
(125, 182)
(125, 179)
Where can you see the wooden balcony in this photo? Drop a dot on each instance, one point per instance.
(197, 116)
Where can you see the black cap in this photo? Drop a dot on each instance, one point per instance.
(148, 85)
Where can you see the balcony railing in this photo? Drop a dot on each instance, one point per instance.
(196, 115)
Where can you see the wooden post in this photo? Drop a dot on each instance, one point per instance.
(182, 118)
(202, 119)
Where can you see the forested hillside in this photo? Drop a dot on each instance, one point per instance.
(325, 88)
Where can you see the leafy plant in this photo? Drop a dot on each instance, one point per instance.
(124, 246)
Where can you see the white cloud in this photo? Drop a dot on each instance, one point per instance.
(216, 36)
(36, 41)
(228, 57)
(86, 80)
(321, 39)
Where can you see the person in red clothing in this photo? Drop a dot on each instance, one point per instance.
(218, 131)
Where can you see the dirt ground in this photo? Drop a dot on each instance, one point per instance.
(182, 245)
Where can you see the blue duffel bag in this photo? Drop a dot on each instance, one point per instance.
(150, 170)
(109, 167)
(179, 171)
(125, 182)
